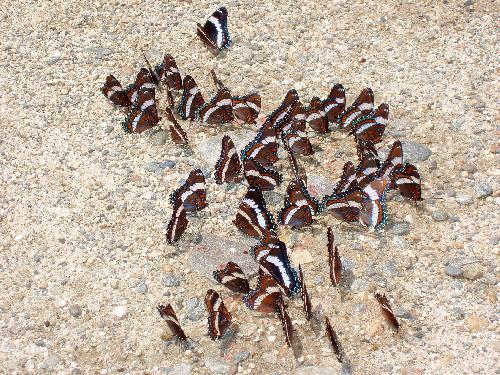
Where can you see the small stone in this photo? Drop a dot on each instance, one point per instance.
(400, 229)
(469, 3)
(413, 152)
(109, 129)
(217, 365)
(76, 371)
(159, 138)
(167, 164)
(141, 287)
(120, 311)
(75, 311)
(195, 309)
(453, 270)
(473, 273)
(100, 52)
(483, 190)
(475, 323)
(240, 357)
(357, 246)
(390, 269)
(301, 257)
(170, 280)
(269, 357)
(458, 313)
(56, 56)
(153, 167)
(180, 369)
(309, 370)
(40, 342)
(52, 361)
(318, 280)
(439, 215)
(403, 313)
(464, 199)
(469, 167)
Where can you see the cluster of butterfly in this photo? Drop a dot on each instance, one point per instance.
(276, 280)
(359, 196)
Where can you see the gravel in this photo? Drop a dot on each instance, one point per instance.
(75, 311)
(483, 190)
(159, 137)
(170, 280)
(195, 308)
(453, 270)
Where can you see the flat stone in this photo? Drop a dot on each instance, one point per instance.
(169, 280)
(52, 361)
(214, 252)
(483, 190)
(56, 56)
(100, 52)
(469, 167)
(319, 185)
(167, 164)
(141, 287)
(464, 199)
(453, 270)
(310, 370)
(75, 311)
(400, 229)
(413, 152)
(301, 257)
(180, 369)
(390, 269)
(475, 323)
(216, 365)
(195, 308)
(240, 357)
(473, 273)
(109, 129)
(439, 215)
(120, 311)
(159, 137)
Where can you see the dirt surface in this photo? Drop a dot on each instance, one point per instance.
(84, 206)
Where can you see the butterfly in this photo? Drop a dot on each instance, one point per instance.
(272, 256)
(294, 121)
(348, 180)
(168, 72)
(306, 301)
(334, 104)
(264, 148)
(233, 278)
(362, 106)
(247, 108)
(387, 311)
(316, 116)
(252, 217)
(367, 170)
(299, 206)
(178, 223)
(364, 149)
(297, 143)
(191, 99)
(170, 100)
(332, 336)
(218, 111)
(177, 134)
(143, 115)
(371, 128)
(344, 206)
(257, 175)
(143, 82)
(393, 162)
(286, 322)
(192, 193)
(215, 33)
(219, 317)
(333, 259)
(282, 114)
(228, 166)
(264, 297)
(297, 169)
(168, 315)
(407, 181)
(373, 212)
(114, 91)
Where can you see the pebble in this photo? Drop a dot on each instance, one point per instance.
(120, 311)
(439, 215)
(469, 167)
(109, 129)
(170, 280)
(167, 164)
(180, 369)
(453, 270)
(52, 361)
(75, 311)
(56, 56)
(473, 273)
(390, 269)
(40, 342)
(413, 152)
(475, 323)
(141, 287)
(76, 371)
(309, 370)
(240, 357)
(400, 229)
(357, 246)
(483, 190)
(458, 313)
(216, 365)
(403, 313)
(195, 309)
(301, 257)
(159, 137)
(464, 199)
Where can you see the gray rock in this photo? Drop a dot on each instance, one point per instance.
(357, 246)
(141, 287)
(414, 152)
(453, 270)
(195, 309)
(464, 199)
(170, 280)
(400, 229)
(217, 365)
(483, 190)
(100, 52)
(309, 370)
(402, 313)
(319, 185)
(358, 307)
(458, 313)
(52, 361)
(468, 3)
(180, 369)
(109, 129)
(75, 311)
(214, 251)
(370, 269)
(318, 280)
(153, 167)
(359, 285)
(159, 137)
(76, 371)
(439, 215)
(40, 342)
(56, 56)
(167, 164)
(240, 357)
(390, 269)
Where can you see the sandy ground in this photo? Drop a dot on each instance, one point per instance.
(84, 206)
